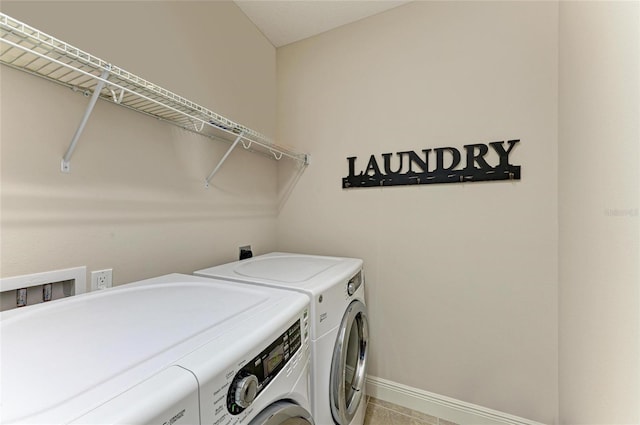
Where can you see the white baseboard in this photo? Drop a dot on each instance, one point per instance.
(453, 410)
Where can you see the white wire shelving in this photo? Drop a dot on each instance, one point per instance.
(28, 49)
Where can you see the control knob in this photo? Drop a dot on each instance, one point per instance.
(351, 288)
(246, 390)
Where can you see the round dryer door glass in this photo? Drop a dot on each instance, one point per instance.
(349, 364)
(353, 356)
(283, 413)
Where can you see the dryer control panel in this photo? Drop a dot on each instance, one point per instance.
(354, 283)
(257, 373)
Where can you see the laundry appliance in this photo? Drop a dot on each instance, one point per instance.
(339, 326)
(172, 350)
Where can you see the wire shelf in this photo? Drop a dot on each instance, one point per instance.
(28, 49)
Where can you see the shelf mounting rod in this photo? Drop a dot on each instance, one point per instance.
(224, 158)
(92, 102)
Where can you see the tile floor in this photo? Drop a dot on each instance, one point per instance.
(383, 413)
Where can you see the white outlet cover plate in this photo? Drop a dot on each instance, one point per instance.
(101, 279)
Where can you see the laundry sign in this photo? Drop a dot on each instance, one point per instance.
(437, 165)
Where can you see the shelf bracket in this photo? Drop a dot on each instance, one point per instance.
(198, 129)
(224, 158)
(92, 102)
(116, 99)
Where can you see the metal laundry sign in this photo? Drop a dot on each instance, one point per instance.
(411, 167)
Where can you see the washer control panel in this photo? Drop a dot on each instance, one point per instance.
(258, 372)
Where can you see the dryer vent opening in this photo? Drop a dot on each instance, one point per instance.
(245, 252)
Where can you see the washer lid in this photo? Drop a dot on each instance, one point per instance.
(286, 268)
(63, 358)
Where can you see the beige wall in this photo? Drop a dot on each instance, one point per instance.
(135, 199)
(599, 154)
(461, 278)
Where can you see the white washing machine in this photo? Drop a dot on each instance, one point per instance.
(339, 327)
(173, 350)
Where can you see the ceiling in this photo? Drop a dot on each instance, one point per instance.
(287, 21)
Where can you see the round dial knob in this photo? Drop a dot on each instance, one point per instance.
(246, 390)
(351, 288)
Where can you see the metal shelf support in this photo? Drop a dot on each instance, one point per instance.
(66, 166)
(224, 158)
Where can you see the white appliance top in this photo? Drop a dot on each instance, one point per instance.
(286, 269)
(305, 273)
(63, 358)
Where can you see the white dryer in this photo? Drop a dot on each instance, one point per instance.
(176, 350)
(339, 327)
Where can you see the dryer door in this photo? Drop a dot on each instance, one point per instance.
(283, 413)
(349, 364)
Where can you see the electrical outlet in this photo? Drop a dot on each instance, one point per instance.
(245, 252)
(101, 279)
